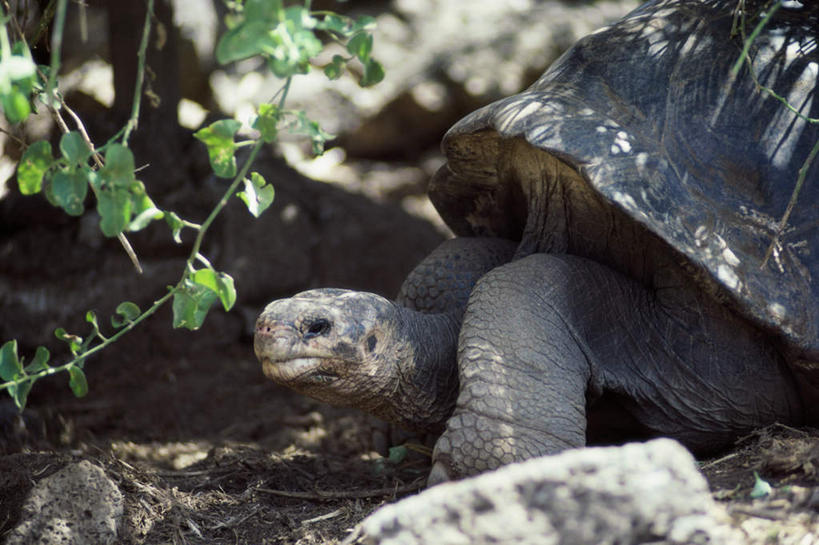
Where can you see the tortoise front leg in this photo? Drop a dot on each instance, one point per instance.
(523, 370)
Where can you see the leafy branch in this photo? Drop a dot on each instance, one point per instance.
(286, 38)
(744, 57)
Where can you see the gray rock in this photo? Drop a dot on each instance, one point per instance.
(77, 505)
(639, 493)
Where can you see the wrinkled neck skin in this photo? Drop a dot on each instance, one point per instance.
(424, 384)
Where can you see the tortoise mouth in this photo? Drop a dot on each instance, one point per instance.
(312, 370)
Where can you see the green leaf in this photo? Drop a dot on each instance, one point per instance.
(91, 318)
(373, 73)
(19, 393)
(335, 68)
(219, 283)
(114, 208)
(361, 45)
(300, 17)
(68, 190)
(113, 185)
(206, 278)
(191, 304)
(119, 167)
(10, 366)
(142, 207)
(127, 312)
(145, 217)
(77, 381)
(292, 51)
(34, 163)
(267, 121)
(40, 361)
(761, 488)
(365, 22)
(257, 196)
(311, 129)
(74, 341)
(246, 40)
(176, 225)
(73, 148)
(15, 105)
(227, 291)
(398, 454)
(335, 23)
(264, 10)
(218, 137)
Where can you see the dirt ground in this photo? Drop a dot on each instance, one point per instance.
(205, 450)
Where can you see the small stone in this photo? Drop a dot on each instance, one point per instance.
(78, 505)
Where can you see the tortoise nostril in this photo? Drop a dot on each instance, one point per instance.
(317, 328)
(265, 328)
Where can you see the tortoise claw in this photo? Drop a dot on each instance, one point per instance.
(440, 473)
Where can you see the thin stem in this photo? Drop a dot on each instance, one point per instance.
(42, 28)
(800, 181)
(757, 29)
(5, 45)
(92, 351)
(803, 170)
(197, 243)
(56, 46)
(143, 47)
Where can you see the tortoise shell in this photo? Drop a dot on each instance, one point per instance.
(646, 121)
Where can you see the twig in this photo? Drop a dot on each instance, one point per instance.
(746, 47)
(345, 494)
(133, 121)
(767, 514)
(20, 141)
(56, 46)
(800, 181)
(330, 515)
(712, 463)
(233, 522)
(744, 57)
(48, 14)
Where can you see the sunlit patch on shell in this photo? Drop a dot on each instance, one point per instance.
(621, 143)
(728, 277)
(730, 257)
(776, 310)
(641, 159)
(701, 235)
(541, 133)
(626, 200)
(519, 109)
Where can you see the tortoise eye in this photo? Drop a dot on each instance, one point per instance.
(317, 328)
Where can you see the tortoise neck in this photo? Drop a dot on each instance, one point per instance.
(426, 372)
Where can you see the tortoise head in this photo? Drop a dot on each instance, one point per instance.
(334, 345)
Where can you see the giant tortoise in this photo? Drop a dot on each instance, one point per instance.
(621, 268)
